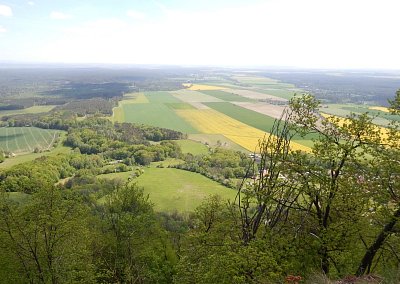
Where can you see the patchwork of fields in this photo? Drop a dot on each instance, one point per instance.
(205, 111)
(26, 139)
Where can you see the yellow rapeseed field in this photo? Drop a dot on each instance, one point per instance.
(198, 87)
(210, 121)
(384, 109)
(382, 130)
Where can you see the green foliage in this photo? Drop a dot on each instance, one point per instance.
(221, 165)
(46, 240)
(133, 248)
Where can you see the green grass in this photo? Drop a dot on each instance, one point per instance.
(26, 139)
(161, 97)
(33, 109)
(227, 96)
(252, 118)
(192, 147)
(156, 114)
(173, 189)
(19, 159)
(167, 162)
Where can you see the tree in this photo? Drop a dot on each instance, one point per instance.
(132, 248)
(46, 237)
(329, 177)
(384, 185)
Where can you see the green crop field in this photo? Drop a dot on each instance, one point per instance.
(227, 96)
(249, 117)
(161, 97)
(26, 139)
(173, 189)
(156, 114)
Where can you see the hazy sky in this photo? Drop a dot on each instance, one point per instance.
(298, 33)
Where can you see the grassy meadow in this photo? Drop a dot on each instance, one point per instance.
(176, 190)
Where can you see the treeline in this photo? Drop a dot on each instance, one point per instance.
(222, 165)
(88, 107)
(22, 103)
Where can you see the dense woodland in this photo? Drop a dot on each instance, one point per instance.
(331, 213)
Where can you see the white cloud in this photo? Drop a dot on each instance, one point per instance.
(31, 3)
(3, 29)
(135, 15)
(59, 15)
(5, 11)
(308, 33)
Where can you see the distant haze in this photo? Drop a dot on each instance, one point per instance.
(293, 33)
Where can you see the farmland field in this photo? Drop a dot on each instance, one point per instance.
(214, 122)
(194, 96)
(192, 147)
(172, 189)
(199, 87)
(217, 140)
(161, 97)
(256, 95)
(226, 96)
(26, 139)
(383, 118)
(33, 109)
(156, 114)
(282, 93)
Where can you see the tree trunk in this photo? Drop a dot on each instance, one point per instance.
(369, 255)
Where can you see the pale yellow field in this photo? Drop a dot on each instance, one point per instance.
(384, 109)
(210, 121)
(138, 98)
(198, 87)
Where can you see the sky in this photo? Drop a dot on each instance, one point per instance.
(271, 33)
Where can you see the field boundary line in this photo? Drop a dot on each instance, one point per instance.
(52, 141)
(34, 137)
(8, 148)
(44, 139)
(16, 140)
(26, 141)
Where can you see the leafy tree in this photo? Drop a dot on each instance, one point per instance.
(132, 248)
(47, 238)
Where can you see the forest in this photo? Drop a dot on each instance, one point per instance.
(298, 217)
